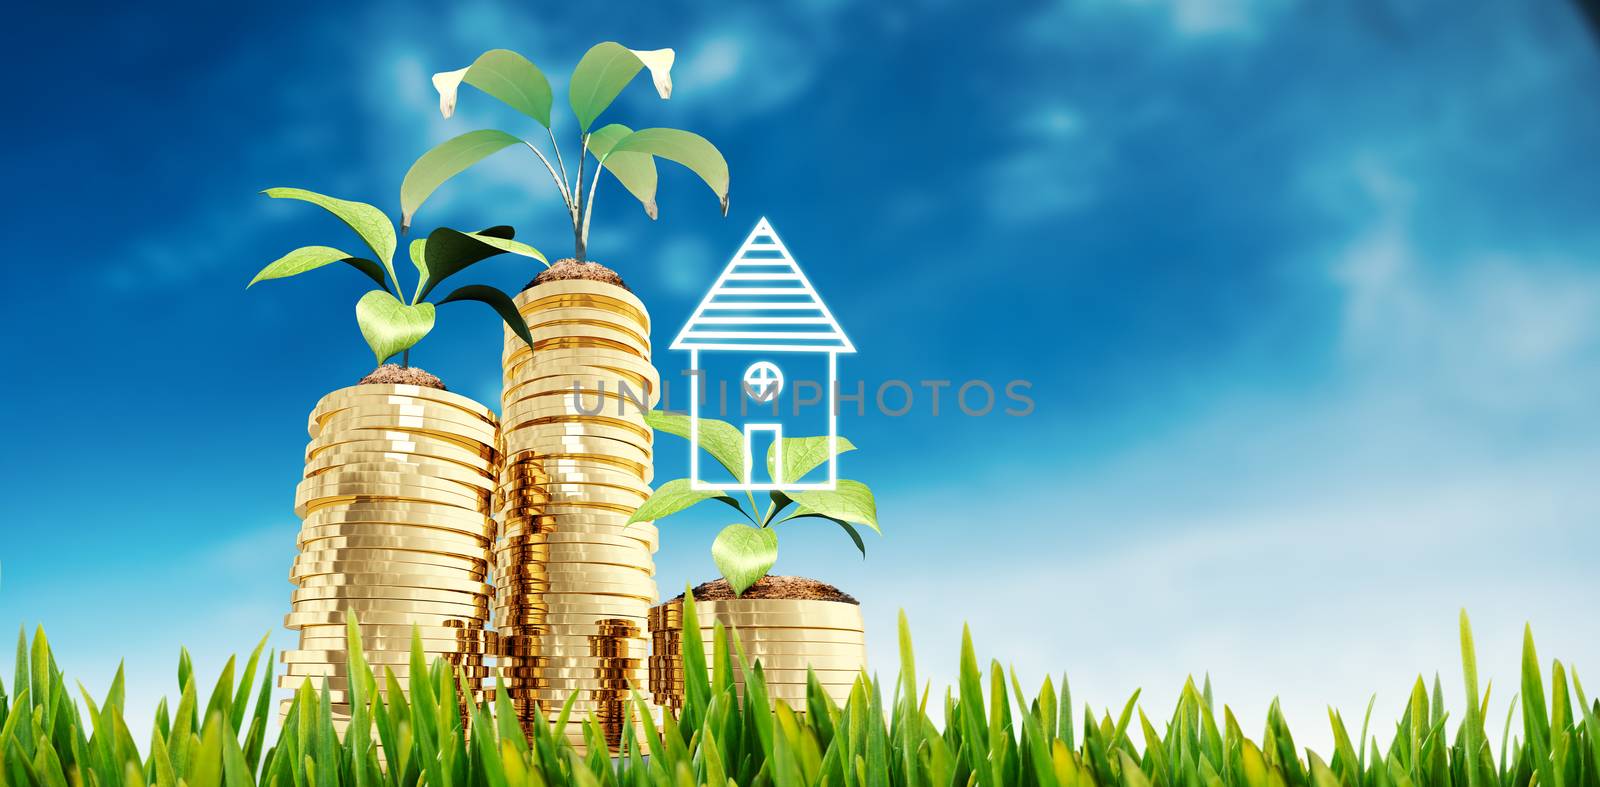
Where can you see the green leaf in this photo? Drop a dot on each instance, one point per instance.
(850, 501)
(635, 171)
(505, 75)
(721, 439)
(390, 326)
(448, 252)
(368, 222)
(445, 161)
(308, 258)
(801, 455)
(497, 300)
(689, 149)
(744, 554)
(606, 69)
(672, 497)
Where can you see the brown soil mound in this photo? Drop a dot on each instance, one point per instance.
(568, 269)
(774, 587)
(395, 374)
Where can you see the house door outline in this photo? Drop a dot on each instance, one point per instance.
(750, 430)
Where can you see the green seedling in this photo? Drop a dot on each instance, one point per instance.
(744, 553)
(629, 155)
(391, 322)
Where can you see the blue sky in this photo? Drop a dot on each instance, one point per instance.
(1307, 293)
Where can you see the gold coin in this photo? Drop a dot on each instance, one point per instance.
(514, 511)
(576, 619)
(578, 669)
(831, 653)
(556, 698)
(382, 427)
(313, 496)
(582, 572)
(465, 549)
(592, 443)
(340, 671)
(627, 359)
(295, 620)
(401, 443)
(439, 581)
(632, 555)
(568, 292)
(427, 515)
(420, 573)
(605, 664)
(541, 654)
(410, 392)
(573, 473)
(443, 472)
(584, 521)
(372, 657)
(338, 687)
(436, 417)
(580, 537)
(619, 399)
(357, 480)
(387, 592)
(565, 492)
(400, 646)
(638, 378)
(397, 439)
(586, 388)
(576, 633)
(593, 337)
(387, 406)
(573, 405)
(402, 556)
(457, 632)
(754, 634)
(619, 607)
(642, 535)
(365, 605)
(394, 537)
(577, 447)
(408, 461)
(433, 417)
(777, 667)
(555, 325)
(601, 591)
(626, 428)
(779, 620)
(570, 640)
(576, 318)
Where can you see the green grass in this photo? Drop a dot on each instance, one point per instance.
(885, 735)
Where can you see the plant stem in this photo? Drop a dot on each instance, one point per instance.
(566, 195)
(580, 239)
(557, 148)
(405, 359)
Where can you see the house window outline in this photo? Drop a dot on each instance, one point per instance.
(766, 324)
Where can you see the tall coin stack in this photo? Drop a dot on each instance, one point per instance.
(788, 636)
(396, 528)
(575, 581)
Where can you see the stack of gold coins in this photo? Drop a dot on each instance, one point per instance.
(395, 528)
(787, 636)
(574, 581)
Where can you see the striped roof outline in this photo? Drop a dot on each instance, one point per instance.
(764, 302)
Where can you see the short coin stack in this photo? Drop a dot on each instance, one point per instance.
(787, 636)
(395, 528)
(574, 581)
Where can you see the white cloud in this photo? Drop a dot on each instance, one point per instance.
(1050, 169)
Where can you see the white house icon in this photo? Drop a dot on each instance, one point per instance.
(762, 308)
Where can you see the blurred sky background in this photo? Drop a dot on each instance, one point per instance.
(1308, 294)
